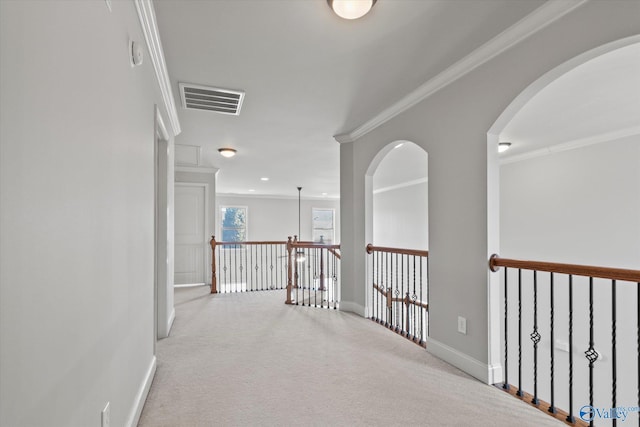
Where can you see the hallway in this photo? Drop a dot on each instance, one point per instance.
(248, 359)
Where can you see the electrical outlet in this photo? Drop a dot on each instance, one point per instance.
(106, 415)
(462, 325)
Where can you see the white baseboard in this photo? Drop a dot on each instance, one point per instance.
(480, 370)
(172, 317)
(352, 307)
(141, 396)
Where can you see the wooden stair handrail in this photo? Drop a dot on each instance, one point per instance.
(405, 300)
(574, 269)
(281, 242)
(371, 249)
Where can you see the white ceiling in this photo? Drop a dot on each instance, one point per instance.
(309, 75)
(594, 102)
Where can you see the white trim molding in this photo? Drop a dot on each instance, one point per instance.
(141, 396)
(194, 169)
(147, 17)
(402, 185)
(532, 23)
(172, 317)
(482, 371)
(572, 145)
(352, 307)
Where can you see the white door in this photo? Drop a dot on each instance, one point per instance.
(190, 234)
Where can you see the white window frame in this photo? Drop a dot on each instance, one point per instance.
(330, 238)
(246, 220)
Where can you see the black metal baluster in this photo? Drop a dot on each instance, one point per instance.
(570, 418)
(396, 292)
(520, 392)
(224, 266)
(219, 270)
(389, 320)
(552, 407)
(374, 273)
(414, 297)
(591, 353)
(401, 295)
(614, 386)
(421, 308)
(535, 337)
(505, 384)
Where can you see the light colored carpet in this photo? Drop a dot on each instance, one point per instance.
(250, 360)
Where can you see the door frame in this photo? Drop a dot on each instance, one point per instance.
(205, 218)
(164, 312)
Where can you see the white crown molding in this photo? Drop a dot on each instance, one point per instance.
(149, 27)
(574, 144)
(270, 196)
(535, 21)
(401, 185)
(196, 169)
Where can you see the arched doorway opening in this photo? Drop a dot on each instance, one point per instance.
(567, 191)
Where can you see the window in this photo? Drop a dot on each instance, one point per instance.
(233, 226)
(323, 228)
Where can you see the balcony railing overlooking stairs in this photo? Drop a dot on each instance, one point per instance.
(584, 351)
(313, 274)
(248, 266)
(399, 295)
(309, 271)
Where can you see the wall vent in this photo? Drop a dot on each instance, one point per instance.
(225, 101)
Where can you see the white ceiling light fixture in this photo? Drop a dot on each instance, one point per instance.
(227, 152)
(503, 146)
(264, 178)
(351, 9)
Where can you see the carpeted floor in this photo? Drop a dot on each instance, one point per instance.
(250, 360)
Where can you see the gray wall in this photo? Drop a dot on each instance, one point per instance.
(582, 207)
(77, 214)
(452, 125)
(273, 219)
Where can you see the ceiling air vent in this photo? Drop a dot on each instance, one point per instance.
(225, 101)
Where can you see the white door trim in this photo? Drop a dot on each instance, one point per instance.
(205, 186)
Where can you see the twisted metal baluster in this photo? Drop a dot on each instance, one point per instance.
(591, 354)
(535, 337)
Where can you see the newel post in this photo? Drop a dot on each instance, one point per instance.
(214, 283)
(289, 270)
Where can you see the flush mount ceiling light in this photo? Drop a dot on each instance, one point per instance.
(351, 9)
(227, 152)
(503, 146)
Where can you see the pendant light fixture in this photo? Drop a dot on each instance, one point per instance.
(300, 257)
(351, 9)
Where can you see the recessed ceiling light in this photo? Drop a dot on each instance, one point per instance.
(264, 178)
(503, 146)
(251, 190)
(227, 152)
(324, 194)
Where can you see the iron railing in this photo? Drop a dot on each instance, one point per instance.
(313, 274)
(584, 324)
(399, 296)
(248, 266)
